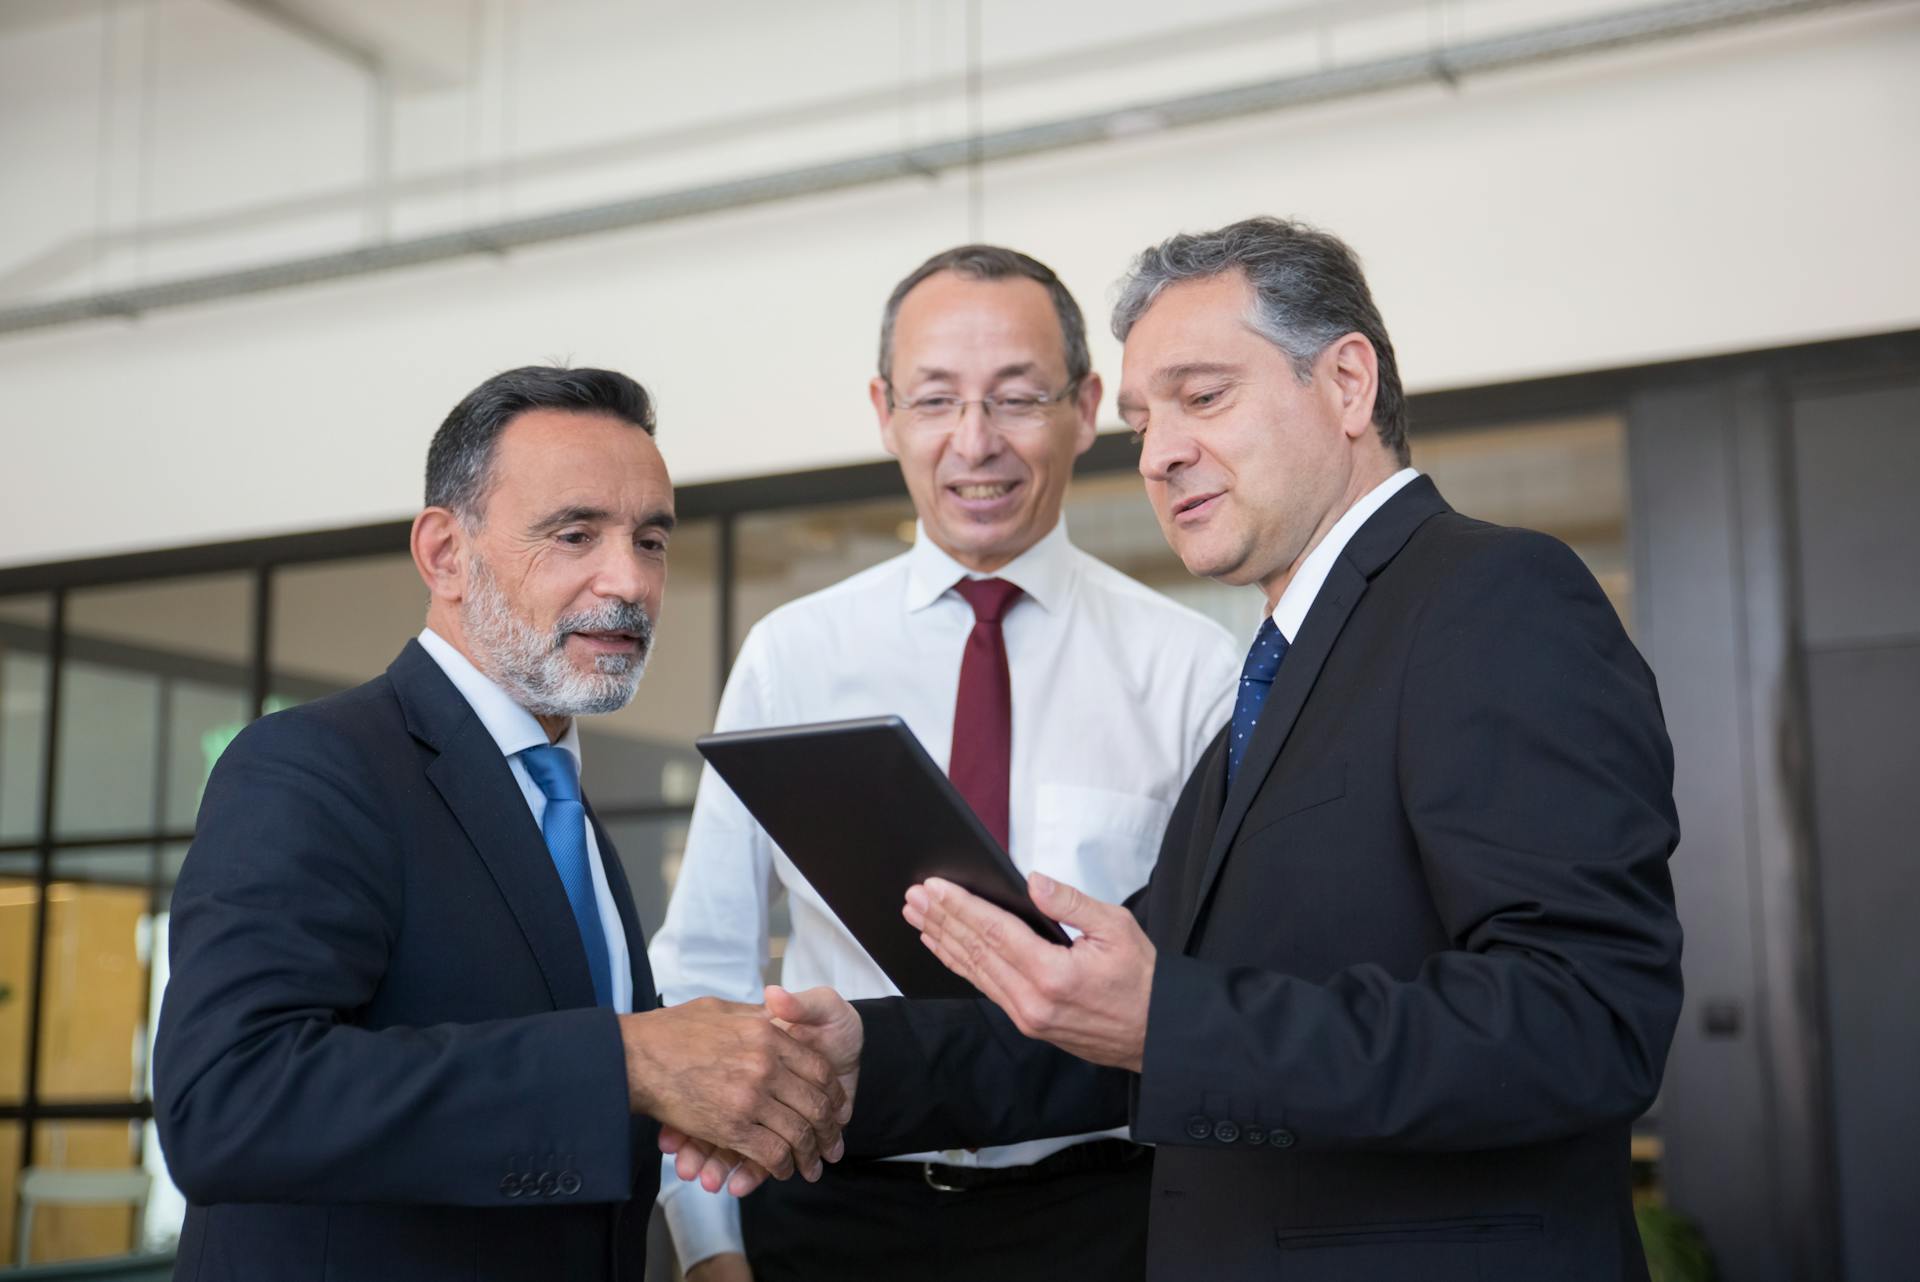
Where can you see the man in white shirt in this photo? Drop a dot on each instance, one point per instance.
(1067, 702)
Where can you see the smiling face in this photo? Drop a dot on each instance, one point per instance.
(985, 491)
(556, 593)
(1246, 466)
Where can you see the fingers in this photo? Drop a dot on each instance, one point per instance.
(820, 1112)
(725, 1076)
(691, 1158)
(987, 946)
(747, 1176)
(816, 1090)
(824, 1020)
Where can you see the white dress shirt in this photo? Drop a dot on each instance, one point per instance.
(1291, 610)
(1116, 692)
(515, 729)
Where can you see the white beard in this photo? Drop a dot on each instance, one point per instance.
(535, 669)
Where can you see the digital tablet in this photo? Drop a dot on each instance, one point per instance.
(864, 813)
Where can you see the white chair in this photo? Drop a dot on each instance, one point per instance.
(51, 1186)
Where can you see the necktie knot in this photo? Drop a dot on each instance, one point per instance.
(553, 772)
(1263, 659)
(988, 597)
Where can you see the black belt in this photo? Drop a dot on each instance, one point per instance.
(1075, 1159)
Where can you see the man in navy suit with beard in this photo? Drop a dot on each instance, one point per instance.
(411, 1031)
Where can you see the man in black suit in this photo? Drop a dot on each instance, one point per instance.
(1408, 966)
(411, 1032)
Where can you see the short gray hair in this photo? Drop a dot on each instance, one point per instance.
(992, 262)
(1309, 293)
(460, 458)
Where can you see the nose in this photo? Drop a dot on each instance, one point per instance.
(629, 574)
(974, 438)
(1165, 450)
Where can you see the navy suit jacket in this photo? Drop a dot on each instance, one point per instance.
(1418, 968)
(379, 1055)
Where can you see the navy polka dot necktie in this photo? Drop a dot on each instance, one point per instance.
(1256, 678)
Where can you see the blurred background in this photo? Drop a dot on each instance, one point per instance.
(1648, 267)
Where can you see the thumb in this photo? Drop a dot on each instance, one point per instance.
(1064, 903)
(783, 1005)
(815, 1006)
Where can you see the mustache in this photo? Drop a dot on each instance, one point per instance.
(609, 616)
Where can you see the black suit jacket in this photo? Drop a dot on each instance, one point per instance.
(1418, 968)
(379, 1055)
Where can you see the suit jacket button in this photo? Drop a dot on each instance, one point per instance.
(1226, 1132)
(569, 1183)
(1280, 1138)
(549, 1184)
(1254, 1135)
(1198, 1128)
(510, 1185)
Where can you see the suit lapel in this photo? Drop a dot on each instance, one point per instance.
(479, 787)
(1372, 546)
(644, 995)
(1291, 686)
(1211, 775)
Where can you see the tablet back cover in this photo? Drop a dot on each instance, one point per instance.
(862, 811)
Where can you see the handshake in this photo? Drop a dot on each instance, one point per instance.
(746, 1092)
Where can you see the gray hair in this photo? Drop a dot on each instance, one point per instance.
(1309, 293)
(991, 262)
(460, 460)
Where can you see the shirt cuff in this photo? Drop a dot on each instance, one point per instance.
(702, 1224)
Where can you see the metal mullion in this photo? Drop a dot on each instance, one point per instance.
(724, 566)
(138, 838)
(262, 635)
(43, 880)
(165, 837)
(81, 1110)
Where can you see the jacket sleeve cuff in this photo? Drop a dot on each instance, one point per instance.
(1184, 1093)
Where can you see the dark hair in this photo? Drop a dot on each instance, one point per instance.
(991, 262)
(460, 460)
(1309, 292)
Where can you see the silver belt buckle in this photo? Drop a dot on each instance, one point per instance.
(926, 1173)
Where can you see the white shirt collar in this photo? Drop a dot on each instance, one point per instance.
(1043, 572)
(513, 728)
(1291, 612)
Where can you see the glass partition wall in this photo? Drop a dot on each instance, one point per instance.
(120, 687)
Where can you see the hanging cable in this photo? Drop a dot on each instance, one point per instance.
(976, 132)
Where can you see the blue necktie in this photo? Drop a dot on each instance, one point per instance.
(1256, 678)
(565, 828)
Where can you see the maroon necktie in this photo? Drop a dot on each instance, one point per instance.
(982, 757)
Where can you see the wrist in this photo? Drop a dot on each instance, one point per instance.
(641, 1095)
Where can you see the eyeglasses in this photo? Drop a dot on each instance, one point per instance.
(1013, 410)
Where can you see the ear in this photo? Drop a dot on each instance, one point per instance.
(439, 544)
(1086, 404)
(1352, 369)
(877, 393)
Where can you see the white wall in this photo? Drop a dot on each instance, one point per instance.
(1726, 192)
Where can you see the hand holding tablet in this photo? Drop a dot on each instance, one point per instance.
(863, 812)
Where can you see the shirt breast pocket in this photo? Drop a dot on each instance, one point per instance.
(1098, 839)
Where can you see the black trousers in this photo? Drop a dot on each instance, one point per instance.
(884, 1222)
